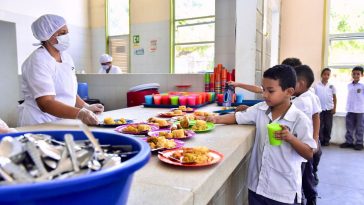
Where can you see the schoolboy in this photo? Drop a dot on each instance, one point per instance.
(355, 111)
(327, 95)
(274, 175)
(309, 103)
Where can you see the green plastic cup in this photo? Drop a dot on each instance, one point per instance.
(272, 128)
(174, 100)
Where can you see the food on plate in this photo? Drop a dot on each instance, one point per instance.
(160, 142)
(137, 128)
(200, 125)
(189, 109)
(143, 127)
(197, 155)
(202, 113)
(177, 112)
(182, 107)
(180, 133)
(111, 121)
(165, 134)
(159, 122)
(185, 123)
(190, 117)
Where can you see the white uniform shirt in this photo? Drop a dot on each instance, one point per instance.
(326, 95)
(275, 171)
(113, 70)
(308, 103)
(42, 75)
(355, 102)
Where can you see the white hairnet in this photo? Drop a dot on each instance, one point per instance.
(105, 58)
(45, 26)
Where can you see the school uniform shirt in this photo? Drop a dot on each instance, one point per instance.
(355, 101)
(113, 70)
(275, 171)
(326, 95)
(42, 75)
(308, 103)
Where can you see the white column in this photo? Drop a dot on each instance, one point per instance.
(245, 48)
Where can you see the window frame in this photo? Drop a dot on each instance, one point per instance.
(173, 43)
(337, 37)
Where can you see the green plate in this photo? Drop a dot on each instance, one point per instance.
(210, 126)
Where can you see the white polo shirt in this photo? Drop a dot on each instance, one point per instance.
(326, 95)
(355, 102)
(308, 103)
(275, 171)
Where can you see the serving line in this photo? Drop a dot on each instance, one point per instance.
(160, 183)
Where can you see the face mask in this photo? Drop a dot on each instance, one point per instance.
(63, 42)
(105, 67)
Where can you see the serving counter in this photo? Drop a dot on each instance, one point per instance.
(160, 183)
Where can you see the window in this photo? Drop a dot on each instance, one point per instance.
(193, 37)
(118, 32)
(346, 44)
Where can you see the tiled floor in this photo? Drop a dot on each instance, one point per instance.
(341, 174)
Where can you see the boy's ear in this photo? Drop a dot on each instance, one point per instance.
(290, 91)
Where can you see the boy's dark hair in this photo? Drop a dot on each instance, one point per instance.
(325, 69)
(292, 62)
(358, 68)
(285, 74)
(304, 72)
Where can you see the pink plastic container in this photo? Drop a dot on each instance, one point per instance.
(191, 100)
(182, 100)
(157, 99)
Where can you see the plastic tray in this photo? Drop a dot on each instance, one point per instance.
(175, 106)
(245, 102)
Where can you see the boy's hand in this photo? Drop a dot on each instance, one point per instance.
(210, 119)
(235, 84)
(333, 111)
(284, 134)
(241, 108)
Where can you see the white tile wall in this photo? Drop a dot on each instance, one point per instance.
(8, 72)
(151, 62)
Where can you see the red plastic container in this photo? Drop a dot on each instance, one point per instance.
(137, 98)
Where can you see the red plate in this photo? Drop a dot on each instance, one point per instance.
(153, 127)
(164, 157)
(167, 115)
(187, 111)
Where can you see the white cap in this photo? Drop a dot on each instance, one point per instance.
(105, 58)
(45, 26)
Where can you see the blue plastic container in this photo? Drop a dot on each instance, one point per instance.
(82, 90)
(110, 186)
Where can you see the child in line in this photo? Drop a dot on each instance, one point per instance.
(327, 95)
(275, 171)
(355, 111)
(308, 102)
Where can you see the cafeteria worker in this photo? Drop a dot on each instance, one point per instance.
(49, 82)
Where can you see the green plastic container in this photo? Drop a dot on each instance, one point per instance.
(272, 128)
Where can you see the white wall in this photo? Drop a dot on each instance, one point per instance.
(9, 73)
(225, 33)
(24, 12)
(245, 48)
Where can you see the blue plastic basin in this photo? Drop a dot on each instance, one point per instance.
(109, 186)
